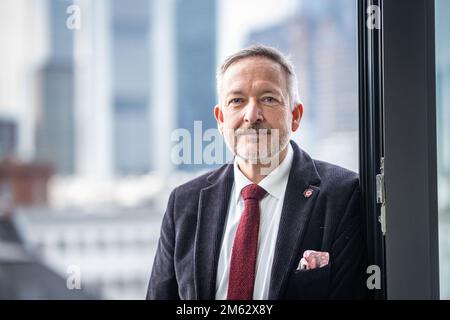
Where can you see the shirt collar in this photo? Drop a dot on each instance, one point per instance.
(274, 183)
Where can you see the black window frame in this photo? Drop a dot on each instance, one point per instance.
(371, 139)
(398, 122)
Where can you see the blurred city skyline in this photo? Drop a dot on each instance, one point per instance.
(102, 101)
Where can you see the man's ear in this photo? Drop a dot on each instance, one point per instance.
(297, 114)
(218, 114)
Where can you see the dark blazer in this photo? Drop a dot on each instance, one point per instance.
(185, 264)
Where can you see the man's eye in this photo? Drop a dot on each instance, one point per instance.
(269, 99)
(235, 101)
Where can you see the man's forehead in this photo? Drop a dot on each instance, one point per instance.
(254, 65)
(240, 87)
(260, 71)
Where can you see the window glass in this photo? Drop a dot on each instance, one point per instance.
(443, 140)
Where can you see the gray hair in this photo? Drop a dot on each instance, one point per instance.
(269, 53)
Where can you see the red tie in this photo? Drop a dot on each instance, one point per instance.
(245, 247)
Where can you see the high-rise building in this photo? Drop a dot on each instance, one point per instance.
(110, 93)
(55, 123)
(131, 82)
(93, 103)
(8, 138)
(195, 66)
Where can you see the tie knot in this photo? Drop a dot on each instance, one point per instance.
(253, 191)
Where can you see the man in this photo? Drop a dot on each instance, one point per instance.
(275, 224)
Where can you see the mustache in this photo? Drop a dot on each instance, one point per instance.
(253, 129)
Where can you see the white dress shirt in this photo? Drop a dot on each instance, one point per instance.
(270, 210)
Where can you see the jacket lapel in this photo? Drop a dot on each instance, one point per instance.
(212, 212)
(295, 215)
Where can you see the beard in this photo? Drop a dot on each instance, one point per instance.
(256, 143)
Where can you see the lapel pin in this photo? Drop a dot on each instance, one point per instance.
(308, 193)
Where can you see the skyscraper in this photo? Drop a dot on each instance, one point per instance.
(131, 82)
(195, 65)
(55, 125)
(8, 137)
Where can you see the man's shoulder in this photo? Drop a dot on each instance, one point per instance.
(338, 185)
(329, 175)
(204, 180)
(334, 175)
(196, 183)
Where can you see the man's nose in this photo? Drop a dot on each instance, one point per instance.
(253, 112)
